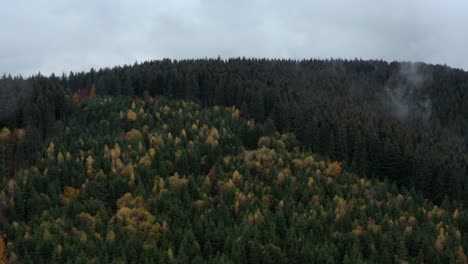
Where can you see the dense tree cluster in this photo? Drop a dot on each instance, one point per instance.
(37, 107)
(407, 122)
(156, 180)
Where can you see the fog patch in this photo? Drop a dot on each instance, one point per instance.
(405, 96)
(14, 94)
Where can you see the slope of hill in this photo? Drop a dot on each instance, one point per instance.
(407, 122)
(168, 181)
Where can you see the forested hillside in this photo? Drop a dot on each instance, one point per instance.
(406, 122)
(123, 180)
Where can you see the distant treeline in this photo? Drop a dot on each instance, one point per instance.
(407, 122)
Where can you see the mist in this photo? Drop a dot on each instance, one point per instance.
(14, 94)
(405, 96)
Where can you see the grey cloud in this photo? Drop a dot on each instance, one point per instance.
(59, 36)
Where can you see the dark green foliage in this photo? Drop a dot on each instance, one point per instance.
(402, 122)
(182, 187)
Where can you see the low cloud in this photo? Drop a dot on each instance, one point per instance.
(404, 95)
(59, 36)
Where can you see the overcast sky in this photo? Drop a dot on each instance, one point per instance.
(60, 36)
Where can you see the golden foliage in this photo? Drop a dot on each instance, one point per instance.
(199, 204)
(80, 140)
(211, 141)
(237, 178)
(59, 249)
(409, 230)
(229, 184)
(281, 204)
(165, 226)
(128, 201)
(333, 169)
(60, 158)
(283, 175)
(455, 214)
(166, 110)
(358, 230)
(213, 136)
(69, 192)
(310, 182)
(83, 237)
(256, 217)
(115, 152)
(131, 116)
(207, 183)
(298, 163)
(341, 207)
(137, 221)
(128, 171)
(236, 114)
(76, 99)
(140, 147)
(85, 221)
(156, 140)
(92, 93)
(133, 134)
(145, 161)
(264, 141)
(117, 166)
(170, 253)
(461, 257)
(11, 185)
(281, 178)
(236, 207)
(175, 181)
(106, 151)
(441, 240)
(152, 152)
(50, 150)
(89, 165)
(251, 123)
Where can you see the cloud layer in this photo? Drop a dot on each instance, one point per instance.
(59, 36)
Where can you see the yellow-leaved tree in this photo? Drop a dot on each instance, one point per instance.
(92, 93)
(131, 116)
(3, 254)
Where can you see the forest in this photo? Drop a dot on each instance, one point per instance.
(239, 160)
(401, 121)
(161, 181)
